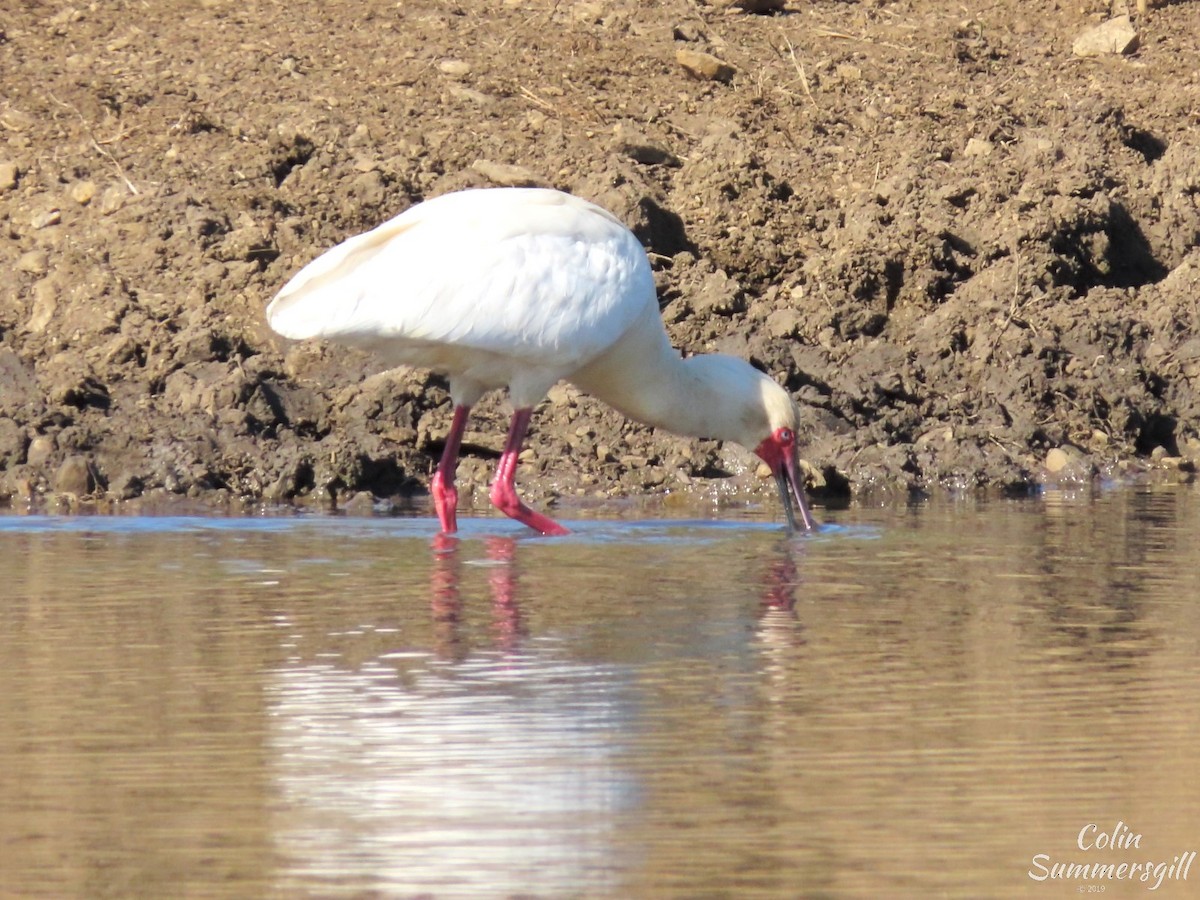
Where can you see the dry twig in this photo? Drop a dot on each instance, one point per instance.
(96, 143)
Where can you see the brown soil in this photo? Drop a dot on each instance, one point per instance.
(958, 244)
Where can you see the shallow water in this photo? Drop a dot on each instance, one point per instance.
(918, 701)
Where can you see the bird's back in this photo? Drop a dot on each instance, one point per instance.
(532, 275)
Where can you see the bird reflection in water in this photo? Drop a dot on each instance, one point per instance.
(446, 600)
(778, 584)
(506, 769)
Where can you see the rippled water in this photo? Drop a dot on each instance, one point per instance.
(934, 700)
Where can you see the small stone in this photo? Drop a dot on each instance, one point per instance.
(123, 41)
(1057, 460)
(65, 16)
(704, 66)
(75, 476)
(784, 323)
(45, 305)
(35, 262)
(1117, 35)
(455, 68)
(1067, 461)
(506, 175)
(978, 147)
(750, 6)
(82, 192)
(8, 176)
(359, 503)
(46, 218)
(41, 448)
(112, 199)
(360, 137)
(719, 294)
(560, 394)
(466, 94)
(125, 486)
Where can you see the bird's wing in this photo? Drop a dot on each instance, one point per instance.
(531, 274)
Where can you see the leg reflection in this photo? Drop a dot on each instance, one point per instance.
(508, 627)
(446, 602)
(444, 599)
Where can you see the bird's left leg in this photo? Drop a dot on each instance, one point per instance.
(504, 488)
(445, 494)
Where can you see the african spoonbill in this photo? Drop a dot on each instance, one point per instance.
(521, 288)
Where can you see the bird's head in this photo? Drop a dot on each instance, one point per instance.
(752, 409)
(780, 451)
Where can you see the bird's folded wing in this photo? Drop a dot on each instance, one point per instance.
(559, 285)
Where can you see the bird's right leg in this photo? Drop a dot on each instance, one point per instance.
(445, 494)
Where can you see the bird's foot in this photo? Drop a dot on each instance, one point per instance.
(504, 498)
(445, 500)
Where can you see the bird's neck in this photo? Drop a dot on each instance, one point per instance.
(644, 378)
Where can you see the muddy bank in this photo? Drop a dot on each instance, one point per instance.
(970, 254)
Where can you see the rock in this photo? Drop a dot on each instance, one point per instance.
(8, 176)
(79, 390)
(1068, 465)
(978, 147)
(750, 6)
(34, 262)
(75, 476)
(82, 192)
(784, 323)
(45, 305)
(126, 486)
(207, 386)
(1057, 460)
(506, 175)
(718, 294)
(704, 66)
(359, 503)
(246, 242)
(112, 199)
(46, 217)
(479, 98)
(455, 68)
(40, 449)
(1117, 35)
(278, 402)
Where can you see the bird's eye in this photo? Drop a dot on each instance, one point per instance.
(785, 435)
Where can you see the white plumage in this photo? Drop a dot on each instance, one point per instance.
(521, 288)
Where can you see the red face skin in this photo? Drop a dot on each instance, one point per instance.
(779, 451)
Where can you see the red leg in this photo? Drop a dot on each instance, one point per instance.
(504, 489)
(445, 494)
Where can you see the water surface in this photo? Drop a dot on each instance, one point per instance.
(918, 701)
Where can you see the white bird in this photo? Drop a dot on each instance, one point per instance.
(522, 288)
